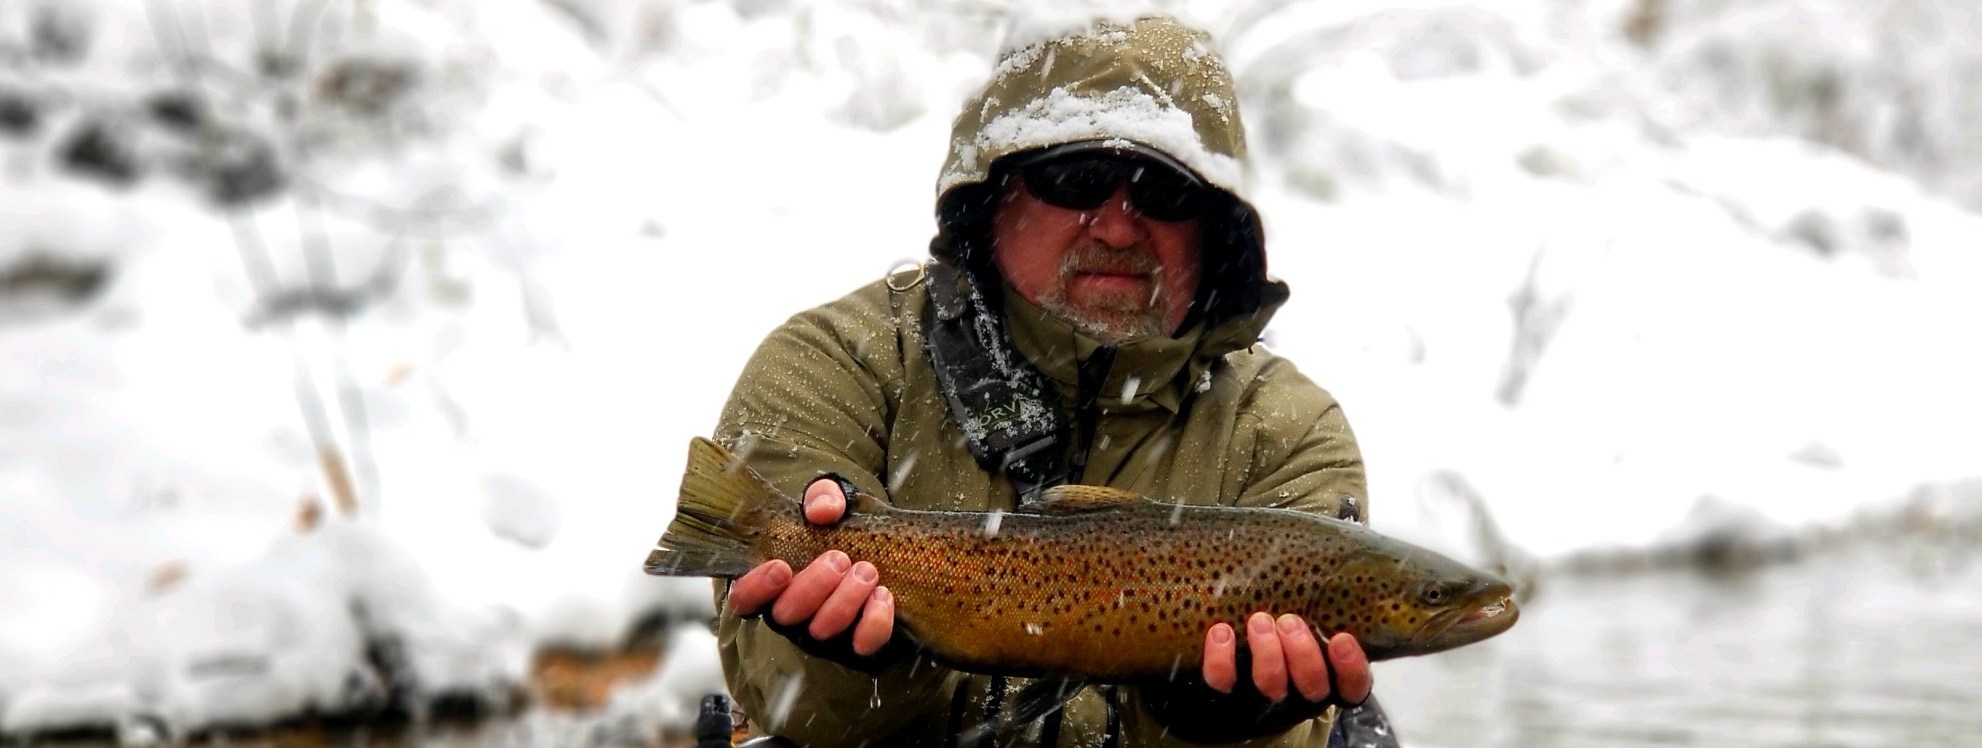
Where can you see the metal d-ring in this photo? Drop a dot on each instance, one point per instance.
(921, 271)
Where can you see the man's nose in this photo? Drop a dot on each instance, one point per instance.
(1116, 223)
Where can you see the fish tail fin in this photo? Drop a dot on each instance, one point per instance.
(724, 507)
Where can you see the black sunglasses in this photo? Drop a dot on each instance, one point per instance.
(1084, 182)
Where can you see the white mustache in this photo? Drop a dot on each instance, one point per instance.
(1089, 258)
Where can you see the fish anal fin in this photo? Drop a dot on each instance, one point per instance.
(1072, 499)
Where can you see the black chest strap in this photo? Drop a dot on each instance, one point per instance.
(1009, 412)
(1011, 417)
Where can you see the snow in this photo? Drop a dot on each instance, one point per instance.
(1032, 26)
(1529, 254)
(281, 634)
(1122, 114)
(668, 701)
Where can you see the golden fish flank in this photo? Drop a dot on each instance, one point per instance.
(1105, 585)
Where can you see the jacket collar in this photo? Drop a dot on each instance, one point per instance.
(1156, 372)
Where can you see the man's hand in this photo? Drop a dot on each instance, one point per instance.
(828, 594)
(1284, 651)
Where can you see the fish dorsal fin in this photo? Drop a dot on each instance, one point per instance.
(1076, 499)
(862, 502)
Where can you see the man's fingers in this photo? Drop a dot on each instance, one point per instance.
(1304, 660)
(810, 588)
(824, 502)
(758, 587)
(1269, 665)
(877, 623)
(1353, 679)
(839, 610)
(1221, 667)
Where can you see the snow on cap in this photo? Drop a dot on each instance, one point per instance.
(1147, 83)
(1035, 26)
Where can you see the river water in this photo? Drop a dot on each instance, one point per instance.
(1852, 648)
(1860, 647)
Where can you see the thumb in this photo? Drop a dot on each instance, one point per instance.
(825, 500)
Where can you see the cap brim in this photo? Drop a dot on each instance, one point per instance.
(1111, 146)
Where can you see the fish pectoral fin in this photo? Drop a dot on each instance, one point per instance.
(1070, 499)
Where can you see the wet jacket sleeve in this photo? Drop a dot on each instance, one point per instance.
(1302, 456)
(806, 404)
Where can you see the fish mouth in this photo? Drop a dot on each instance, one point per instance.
(1491, 612)
(1460, 626)
(1484, 621)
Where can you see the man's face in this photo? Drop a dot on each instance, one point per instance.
(1111, 271)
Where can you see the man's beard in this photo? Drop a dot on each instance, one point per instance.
(1110, 316)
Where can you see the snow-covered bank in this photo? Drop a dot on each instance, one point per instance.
(1527, 270)
(500, 284)
(334, 621)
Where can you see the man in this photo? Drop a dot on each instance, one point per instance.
(1090, 314)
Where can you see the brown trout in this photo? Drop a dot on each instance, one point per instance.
(1105, 585)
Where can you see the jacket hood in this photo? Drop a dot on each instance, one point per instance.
(1151, 83)
(1150, 86)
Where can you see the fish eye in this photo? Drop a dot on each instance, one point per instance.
(1433, 594)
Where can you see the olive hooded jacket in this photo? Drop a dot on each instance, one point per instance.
(1205, 417)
